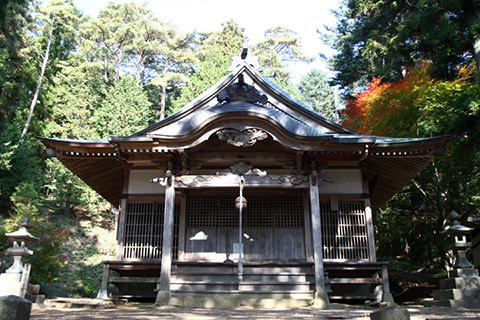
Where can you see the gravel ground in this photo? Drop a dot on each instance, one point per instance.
(336, 311)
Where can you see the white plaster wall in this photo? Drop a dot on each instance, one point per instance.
(139, 182)
(344, 181)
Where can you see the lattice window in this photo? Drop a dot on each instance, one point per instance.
(227, 214)
(289, 213)
(344, 232)
(201, 212)
(260, 213)
(143, 236)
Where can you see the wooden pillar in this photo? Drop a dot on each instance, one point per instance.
(387, 295)
(103, 293)
(371, 238)
(321, 298)
(121, 228)
(163, 285)
(308, 230)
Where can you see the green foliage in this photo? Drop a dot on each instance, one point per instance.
(317, 94)
(125, 110)
(420, 106)
(280, 46)
(47, 262)
(383, 38)
(215, 56)
(18, 164)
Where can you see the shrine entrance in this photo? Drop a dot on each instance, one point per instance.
(273, 228)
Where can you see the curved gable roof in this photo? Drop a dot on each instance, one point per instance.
(278, 99)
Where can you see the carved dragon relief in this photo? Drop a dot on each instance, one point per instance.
(245, 138)
(241, 91)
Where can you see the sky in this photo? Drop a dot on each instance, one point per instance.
(303, 16)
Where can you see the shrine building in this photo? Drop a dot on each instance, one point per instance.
(246, 196)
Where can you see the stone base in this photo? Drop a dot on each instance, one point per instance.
(321, 301)
(14, 308)
(391, 312)
(103, 294)
(11, 284)
(254, 300)
(163, 298)
(468, 283)
(461, 298)
(387, 298)
(465, 272)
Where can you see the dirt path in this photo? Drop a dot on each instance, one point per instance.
(336, 311)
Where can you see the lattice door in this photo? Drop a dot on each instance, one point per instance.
(273, 229)
(143, 235)
(344, 232)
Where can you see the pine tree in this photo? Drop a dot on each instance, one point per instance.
(318, 94)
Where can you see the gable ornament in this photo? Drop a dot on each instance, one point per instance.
(245, 138)
(241, 91)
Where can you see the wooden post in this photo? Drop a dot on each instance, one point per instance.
(163, 285)
(321, 298)
(371, 238)
(122, 210)
(121, 228)
(308, 230)
(387, 295)
(103, 293)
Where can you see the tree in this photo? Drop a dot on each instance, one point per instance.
(215, 55)
(57, 23)
(173, 58)
(316, 93)
(111, 34)
(383, 39)
(279, 47)
(124, 111)
(14, 17)
(420, 106)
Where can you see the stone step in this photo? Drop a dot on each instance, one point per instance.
(450, 303)
(465, 272)
(460, 283)
(455, 294)
(236, 299)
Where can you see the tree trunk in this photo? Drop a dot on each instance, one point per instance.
(163, 101)
(39, 84)
(141, 57)
(105, 70)
(476, 54)
(118, 60)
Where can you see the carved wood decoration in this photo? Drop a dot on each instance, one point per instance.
(241, 91)
(243, 169)
(245, 138)
(211, 181)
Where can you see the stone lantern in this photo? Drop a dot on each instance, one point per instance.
(457, 235)
(15, 278)
(462, 289)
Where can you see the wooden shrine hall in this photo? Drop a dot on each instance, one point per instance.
(246, 196)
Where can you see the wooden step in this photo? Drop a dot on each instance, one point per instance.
(115, 279)
(355, 280)
(240, 287)
(268, 277)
